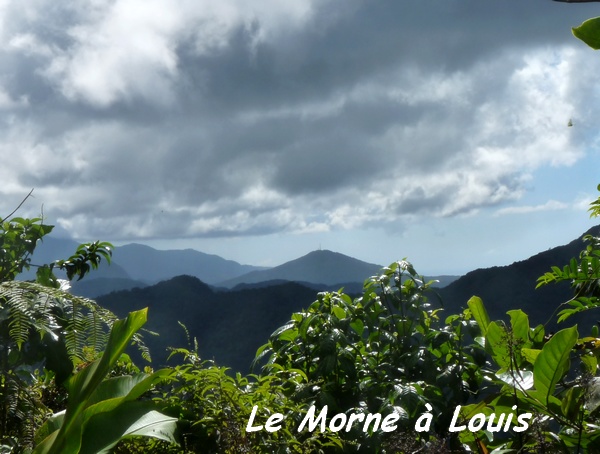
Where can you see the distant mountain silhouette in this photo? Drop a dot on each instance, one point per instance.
(135, 265)
(513, 287)
(93, 288)
(317, 267)
(348, 287)
(151, 265)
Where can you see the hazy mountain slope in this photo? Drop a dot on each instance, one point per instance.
(50, 249)
(317, 267)
(93, 288)
(442, 280)
(151, 265)
(513, 286)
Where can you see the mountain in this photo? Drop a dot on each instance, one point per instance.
(136, 265)
(150, 265)
(50, 249)
(513, 286)
(93, 288)
(317, 267)
(229, 326)
(352, 288)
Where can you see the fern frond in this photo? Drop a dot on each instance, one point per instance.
(17, 305)
(75, 334)
(30, 306)
(142, 347)
(20, 320)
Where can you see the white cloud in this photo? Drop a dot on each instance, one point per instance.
(187, 118)
(119, 51)
(550, 205)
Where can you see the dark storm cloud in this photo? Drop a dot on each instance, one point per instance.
(228, 119)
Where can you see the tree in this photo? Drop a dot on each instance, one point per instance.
(45, 332)
(387, 351)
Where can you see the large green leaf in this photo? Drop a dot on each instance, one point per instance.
(553, 361)
(496, 344)
(519, 323)
(134, 418)
(522, 380)
(530, 354)
(589, 32)
(115, 387)
(82, 386)
(479, 313)
(126, 387)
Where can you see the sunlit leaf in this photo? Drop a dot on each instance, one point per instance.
(589, 32)
(553, 361)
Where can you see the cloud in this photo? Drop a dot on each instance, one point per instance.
(550, 205)
(158, 119)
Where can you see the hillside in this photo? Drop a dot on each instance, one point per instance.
(317, 267)
(152, 265)
(513, 286)
(136, 265)
(229, 326)
(93, 288)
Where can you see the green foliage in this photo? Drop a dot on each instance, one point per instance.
(550, 378)
(214, 409)
(18, 239)
(583, 274)
(389, 351)
(594, 209)
(534, 376)
(101, 411)
(386, 351)
(87, 257)
(589, 32)
(45, 332)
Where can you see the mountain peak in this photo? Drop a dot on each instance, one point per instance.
(317, 267)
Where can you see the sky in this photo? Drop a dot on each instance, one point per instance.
(458, 134)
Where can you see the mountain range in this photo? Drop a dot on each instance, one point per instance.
(136, 265)
(318, 267)
(235, 313)
(230, 324)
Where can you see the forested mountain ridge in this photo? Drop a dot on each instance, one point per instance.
(503, 288)
(231, 325)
